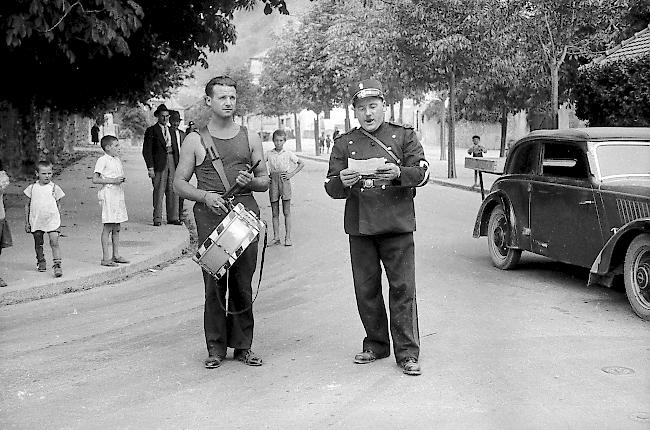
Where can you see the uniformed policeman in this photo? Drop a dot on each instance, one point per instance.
(379, 220)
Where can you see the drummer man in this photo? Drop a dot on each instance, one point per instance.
(379, 220)
(237, 150)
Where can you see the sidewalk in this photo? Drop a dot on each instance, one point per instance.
(464, 177)
(140, 242)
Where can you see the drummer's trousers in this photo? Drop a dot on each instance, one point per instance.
(234, 330)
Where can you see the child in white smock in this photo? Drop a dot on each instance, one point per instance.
(110, 173)
(43, 216)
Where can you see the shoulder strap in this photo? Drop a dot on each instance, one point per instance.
(380, 143)
(211, 151)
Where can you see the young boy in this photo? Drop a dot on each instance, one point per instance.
(476, 150)
(43, 215)
(281, 164)
(110, 173)
(5, 234)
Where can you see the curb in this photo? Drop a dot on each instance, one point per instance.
(90, 281)
(442, 182)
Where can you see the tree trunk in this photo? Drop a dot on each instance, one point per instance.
(451, 146)
(297, 133)
(401, 111)
(347, 118)
(504, 129)
(316, 135)
(392, 112)
(443, 122)
(555, 102)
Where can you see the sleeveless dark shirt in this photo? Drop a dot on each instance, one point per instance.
(235, 153)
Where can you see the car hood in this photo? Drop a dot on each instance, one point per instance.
(628, 185)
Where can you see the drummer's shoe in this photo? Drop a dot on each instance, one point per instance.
(121, 260)
(247, 357)
(368, 356)
(157, 223)
(175, 222)
(213, 361)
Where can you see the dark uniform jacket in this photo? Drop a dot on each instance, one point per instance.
(154, 148)
(378, 209)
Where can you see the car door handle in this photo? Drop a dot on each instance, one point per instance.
(587, 202)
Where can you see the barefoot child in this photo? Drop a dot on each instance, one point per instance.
(281, 169)
(5, 234)
(43, 216)
(110, 173)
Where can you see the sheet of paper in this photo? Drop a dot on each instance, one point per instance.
(366, 167)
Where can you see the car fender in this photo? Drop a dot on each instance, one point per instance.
(612, 255)
(493, 199)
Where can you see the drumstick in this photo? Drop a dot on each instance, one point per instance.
(237, 187)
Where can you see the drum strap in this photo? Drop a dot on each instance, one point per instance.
(259, 282)
(211, 150)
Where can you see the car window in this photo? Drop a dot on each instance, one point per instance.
(524, 159)
(564, 160)
(620, 159)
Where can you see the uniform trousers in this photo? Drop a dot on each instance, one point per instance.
(221, 331)
(163, 189)
(397, 254)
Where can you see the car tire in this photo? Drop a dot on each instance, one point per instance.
(637, 275)
(498, 235)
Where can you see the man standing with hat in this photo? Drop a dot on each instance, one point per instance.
(161, 156)
(379, 220)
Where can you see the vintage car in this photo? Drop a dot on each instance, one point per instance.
(579, 196)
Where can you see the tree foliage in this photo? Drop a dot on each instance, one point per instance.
(88, 54)
(614, 94)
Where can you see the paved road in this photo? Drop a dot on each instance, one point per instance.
(500, 350)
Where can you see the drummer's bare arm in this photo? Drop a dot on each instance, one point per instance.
(259, 179)
(191, 152)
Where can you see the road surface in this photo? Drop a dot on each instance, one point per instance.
(532, 348)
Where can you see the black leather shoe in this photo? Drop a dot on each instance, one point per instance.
(177, 222)
(410, 366)
(157, 223)
(368, 356)
(213, 361)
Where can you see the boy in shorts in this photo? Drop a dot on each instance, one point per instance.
(283, 165)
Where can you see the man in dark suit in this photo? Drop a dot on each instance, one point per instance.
(161, 157)
(177, 139)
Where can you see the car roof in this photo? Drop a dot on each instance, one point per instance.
(593, 133)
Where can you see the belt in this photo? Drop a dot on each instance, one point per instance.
(373, 183)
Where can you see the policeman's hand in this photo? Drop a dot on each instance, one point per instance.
(215, 203)
(349, 177)
(244, 177)
(388, 171)
(151, 173)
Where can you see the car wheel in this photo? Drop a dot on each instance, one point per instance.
(637, 275)
(498, 235)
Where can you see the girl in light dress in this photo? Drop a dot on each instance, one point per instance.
(110, 173)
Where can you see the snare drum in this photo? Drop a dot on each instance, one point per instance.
(228, 241)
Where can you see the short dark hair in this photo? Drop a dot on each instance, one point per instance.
(279, 133)
(476, 136)
(224, 80)
(43, 163)
(107, 139)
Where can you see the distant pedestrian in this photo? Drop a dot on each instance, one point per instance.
(5, 234)
(177, 136)
(321, 143)
(43, 216)
(476, 150)
(110, 173)
(161, 157)
(190, 127)
(283, 165)
(328, 143)
(94, 134)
